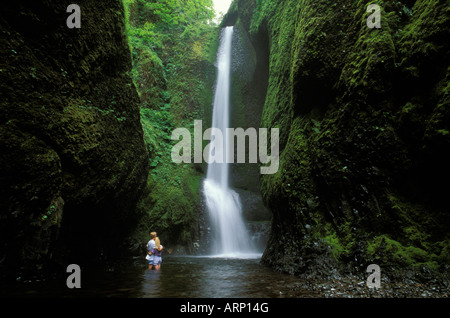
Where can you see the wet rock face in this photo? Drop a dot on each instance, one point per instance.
(363, 124)
(72, 156)
(249, 75)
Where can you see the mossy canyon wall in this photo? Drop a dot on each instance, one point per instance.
(364, 133)
(72, 156)
(363, 117)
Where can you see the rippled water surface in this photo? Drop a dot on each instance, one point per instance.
(180, 276)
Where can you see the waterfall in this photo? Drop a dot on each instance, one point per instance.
(224, 206)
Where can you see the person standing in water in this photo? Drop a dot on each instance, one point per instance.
(157, 254)
(150, 247)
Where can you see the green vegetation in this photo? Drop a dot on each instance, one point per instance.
(173, 46)
(74, 162)
(363, 116)
(387, 251)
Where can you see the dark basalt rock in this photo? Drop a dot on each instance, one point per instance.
(364, 120)
(72, 156)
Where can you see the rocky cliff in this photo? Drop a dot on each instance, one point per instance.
(364, 122)
(72, 157)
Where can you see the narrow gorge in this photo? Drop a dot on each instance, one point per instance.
(363, 114)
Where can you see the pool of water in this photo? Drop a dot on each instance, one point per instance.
(179, 277)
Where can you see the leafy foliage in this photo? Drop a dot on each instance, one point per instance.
(171, 43)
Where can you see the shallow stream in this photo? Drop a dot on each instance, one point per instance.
(212, 277)
(180, 276)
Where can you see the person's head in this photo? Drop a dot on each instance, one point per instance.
(153, 235)
(157, 243)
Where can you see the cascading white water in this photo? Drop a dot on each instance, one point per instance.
(232, 238)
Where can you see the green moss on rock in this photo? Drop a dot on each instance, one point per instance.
(73, 157)
(363, 120)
